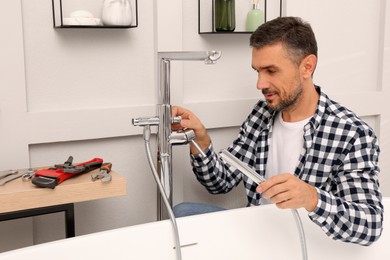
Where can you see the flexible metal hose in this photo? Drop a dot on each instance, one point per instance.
(301, 233)
(251, 174)
(147, 133)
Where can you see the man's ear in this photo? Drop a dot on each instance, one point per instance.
(308, 66)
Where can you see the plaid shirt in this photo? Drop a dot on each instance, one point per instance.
(339, 158)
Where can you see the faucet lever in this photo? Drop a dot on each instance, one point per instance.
(202, 154)
(144, 121)
(184, 137)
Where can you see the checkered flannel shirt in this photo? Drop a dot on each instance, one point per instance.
(339, 158)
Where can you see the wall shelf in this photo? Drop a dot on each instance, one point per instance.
(62, 10)
(206, 21)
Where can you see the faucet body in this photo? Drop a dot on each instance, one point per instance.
(165, 137)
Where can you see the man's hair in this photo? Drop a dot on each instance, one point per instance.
(293, 33)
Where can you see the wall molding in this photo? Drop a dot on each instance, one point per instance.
(74, 125)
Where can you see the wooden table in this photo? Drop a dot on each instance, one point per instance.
(19, 199)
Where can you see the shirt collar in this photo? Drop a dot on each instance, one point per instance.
(321, 106)
(314, 121)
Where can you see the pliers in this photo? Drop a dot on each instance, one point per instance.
(103, 175)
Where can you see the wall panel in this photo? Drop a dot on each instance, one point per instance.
(70, 69)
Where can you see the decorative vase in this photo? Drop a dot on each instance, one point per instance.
(224, 15)
(254, 18)
(117, 12)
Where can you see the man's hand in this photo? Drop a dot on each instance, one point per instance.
(190, 121)
(288, 191)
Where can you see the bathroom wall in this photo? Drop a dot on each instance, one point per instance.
(74, 92)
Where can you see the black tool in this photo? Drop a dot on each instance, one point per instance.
(67, 164)
(83, 168)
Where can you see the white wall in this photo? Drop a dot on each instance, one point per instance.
(74, 92)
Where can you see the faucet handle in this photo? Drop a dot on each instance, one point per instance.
(190, 134)
(176, 120)
(199, 149)
(144, 121)
(184, 137)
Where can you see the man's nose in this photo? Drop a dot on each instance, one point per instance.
(262, 83)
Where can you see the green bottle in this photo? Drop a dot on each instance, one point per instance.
(255, 17)
(225, 15)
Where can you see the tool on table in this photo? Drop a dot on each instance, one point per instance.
(66, 164)
(6, 173)
(28, 174)
(84, 167)
(51, 177)
(10, 175)
(103, 175)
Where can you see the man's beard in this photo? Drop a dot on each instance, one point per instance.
(289, 102)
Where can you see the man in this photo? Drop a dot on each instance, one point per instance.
(314, 153)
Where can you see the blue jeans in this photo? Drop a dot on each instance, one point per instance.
(189, 208)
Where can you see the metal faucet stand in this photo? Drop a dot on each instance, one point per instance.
(165, 137)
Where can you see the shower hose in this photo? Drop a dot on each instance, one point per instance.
(147, 134)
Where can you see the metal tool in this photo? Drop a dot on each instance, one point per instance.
(66, 164)
(10, 177)
(103, 175)
(6, 173)
(28, 174)
(81, 168)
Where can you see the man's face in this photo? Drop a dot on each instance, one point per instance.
(278, 77)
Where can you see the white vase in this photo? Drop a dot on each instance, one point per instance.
(117, 12)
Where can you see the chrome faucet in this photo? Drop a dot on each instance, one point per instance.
(165, 136)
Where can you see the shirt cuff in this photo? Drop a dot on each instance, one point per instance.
(326, 205)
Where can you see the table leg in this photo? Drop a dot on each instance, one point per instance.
(67, 208)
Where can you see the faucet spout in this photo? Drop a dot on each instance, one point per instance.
(209, 57)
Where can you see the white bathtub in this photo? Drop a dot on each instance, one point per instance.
(248, 233)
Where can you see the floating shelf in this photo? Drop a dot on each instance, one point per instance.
(61, 9)
(206, 21)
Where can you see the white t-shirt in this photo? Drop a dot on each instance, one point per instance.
(284, 146)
